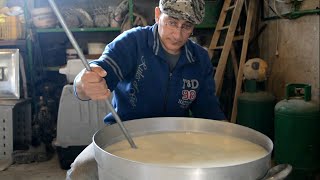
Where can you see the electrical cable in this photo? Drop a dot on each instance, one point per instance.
(276, 10)
(277, 39)
(281, 1)
(270, 7)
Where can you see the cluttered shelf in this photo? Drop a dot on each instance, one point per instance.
(107, 29)
(99, 29)
(114, 16)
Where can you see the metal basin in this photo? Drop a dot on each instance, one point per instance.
(112, 167)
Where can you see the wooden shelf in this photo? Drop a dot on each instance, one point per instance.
(19, 42)
(106, 29)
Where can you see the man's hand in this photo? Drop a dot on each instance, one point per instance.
(92, 85)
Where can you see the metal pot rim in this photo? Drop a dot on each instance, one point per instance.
(121, 137)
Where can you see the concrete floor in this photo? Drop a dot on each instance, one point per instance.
(49, 170)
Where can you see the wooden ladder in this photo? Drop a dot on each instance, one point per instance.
(252, 11)
(227, 45)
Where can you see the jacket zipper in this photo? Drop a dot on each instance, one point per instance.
(167, 92)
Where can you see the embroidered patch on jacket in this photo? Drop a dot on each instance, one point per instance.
(188, 93)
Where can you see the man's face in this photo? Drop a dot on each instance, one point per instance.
(173, 32)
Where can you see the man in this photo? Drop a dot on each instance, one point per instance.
(154, 71)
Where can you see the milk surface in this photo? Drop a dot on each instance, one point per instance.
(188, 149)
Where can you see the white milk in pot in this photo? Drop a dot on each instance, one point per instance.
(188, 149)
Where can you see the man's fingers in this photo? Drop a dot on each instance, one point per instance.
(91, 76)
(93, 85)
(94, 89)
(95, 75)
(102, 96)
(97, 69)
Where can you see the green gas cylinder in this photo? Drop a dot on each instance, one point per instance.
(256, 109)
(297, 132)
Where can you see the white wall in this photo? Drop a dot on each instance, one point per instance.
(291, 48)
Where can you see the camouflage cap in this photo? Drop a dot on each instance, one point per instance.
(189, 10)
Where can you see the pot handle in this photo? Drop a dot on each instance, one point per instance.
(278, 172)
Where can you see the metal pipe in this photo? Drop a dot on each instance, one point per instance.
(88, 68)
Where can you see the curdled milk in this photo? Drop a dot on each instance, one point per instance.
(188, 149)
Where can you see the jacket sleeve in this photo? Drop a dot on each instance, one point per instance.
(119, 58)
(206, 104)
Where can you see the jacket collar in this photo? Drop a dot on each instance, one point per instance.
(155, 44)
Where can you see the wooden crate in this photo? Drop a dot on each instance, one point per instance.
(11, 28)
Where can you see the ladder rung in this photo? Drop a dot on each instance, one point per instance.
(218, 47)
(238, 38)
(223, 28)
(230, 8)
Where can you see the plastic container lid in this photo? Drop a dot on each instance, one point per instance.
(72, 69)
(96, 48)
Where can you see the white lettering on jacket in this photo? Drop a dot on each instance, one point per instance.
(138, 76)
(193, 84)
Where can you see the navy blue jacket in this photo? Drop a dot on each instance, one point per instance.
(143, 85)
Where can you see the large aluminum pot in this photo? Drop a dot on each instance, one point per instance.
(111, 167)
